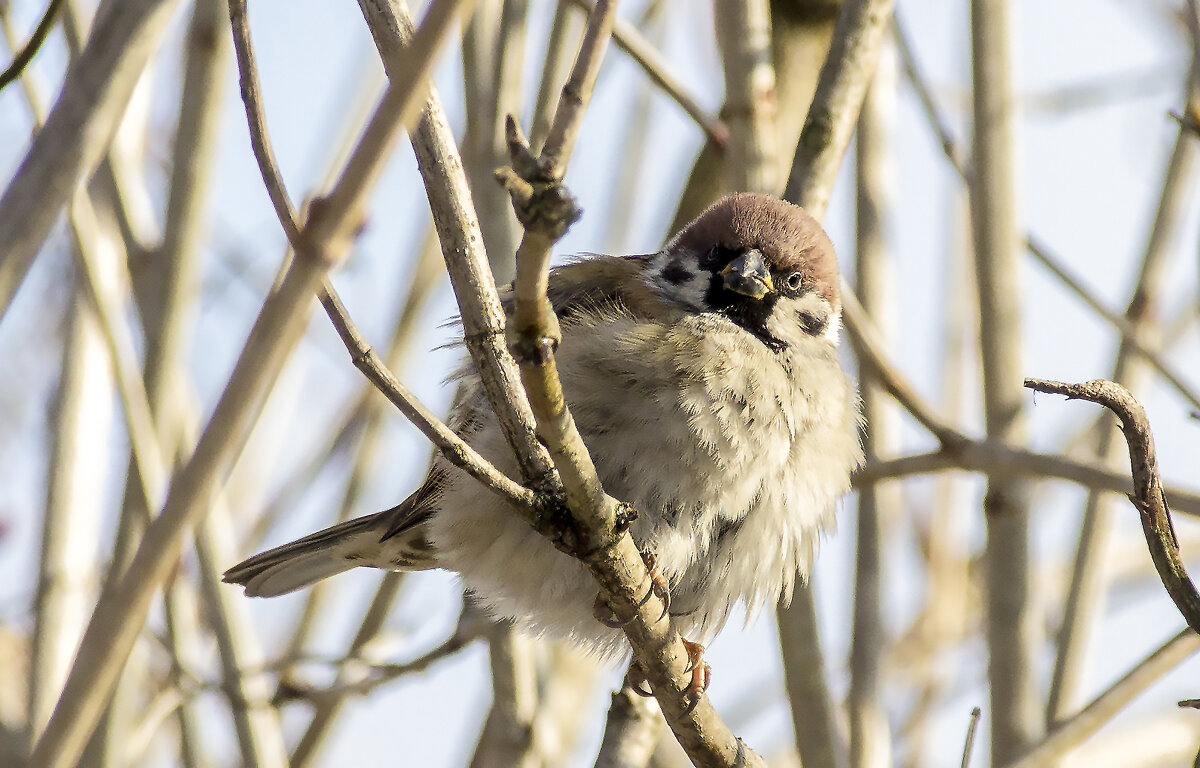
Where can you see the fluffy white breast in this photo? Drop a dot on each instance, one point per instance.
(733, 461)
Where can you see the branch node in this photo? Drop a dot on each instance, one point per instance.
(626, 514)
(541, 201)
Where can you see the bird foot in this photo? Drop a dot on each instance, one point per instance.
(637, 681)
(658, 583)
(701, 677)
(701, 674)
(604, 613)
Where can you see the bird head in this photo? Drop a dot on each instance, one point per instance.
(761, 262)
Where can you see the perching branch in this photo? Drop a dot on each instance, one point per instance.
(631, 731)
(598, 537)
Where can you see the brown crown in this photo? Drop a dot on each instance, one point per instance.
(790, 239)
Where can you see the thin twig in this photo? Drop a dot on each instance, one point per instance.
(453, 447)
(994, 457)
(1148, 495)
(969, 744)
(554, 71)
(251, 92)
(30, 49)
(578, 90)
(379, 674)
(870, 346)
(330, 702)
(630, 40)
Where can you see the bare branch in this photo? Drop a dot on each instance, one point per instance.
(1126, 326)
(330, 702)
(1148, 495)
(578, 90)
(30, 49)
(1010, 630)
(969, 745)
(997, 458)
(631, 731)
(77, 131)
(121, 610)
(259, 142)
(630, 40)
(814, 718)
(744, 34)
(874, 279)
(453, 447)
(1104, 707)
(847, 72)
(598, 537)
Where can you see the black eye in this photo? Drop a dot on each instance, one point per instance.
(794, 281)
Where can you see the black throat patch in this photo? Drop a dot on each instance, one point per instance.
(749, 313)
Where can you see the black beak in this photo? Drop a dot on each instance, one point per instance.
(748, 275)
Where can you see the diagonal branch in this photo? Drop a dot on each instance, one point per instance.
(630, 40)
(1080, 727)
(78, 130)
(324, 241)
(599, 532)
(857, 40)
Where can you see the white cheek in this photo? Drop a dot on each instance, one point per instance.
(690, 293)
(787, 324)
(833, 329)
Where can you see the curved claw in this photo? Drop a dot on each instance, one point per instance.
(701, 675)
(636, 677)
(637, 688)
(605, 615)
(658, 583)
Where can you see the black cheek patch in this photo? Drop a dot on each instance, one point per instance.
(676, 274)
(813, 324)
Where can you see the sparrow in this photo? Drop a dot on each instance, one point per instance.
(705, 383)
